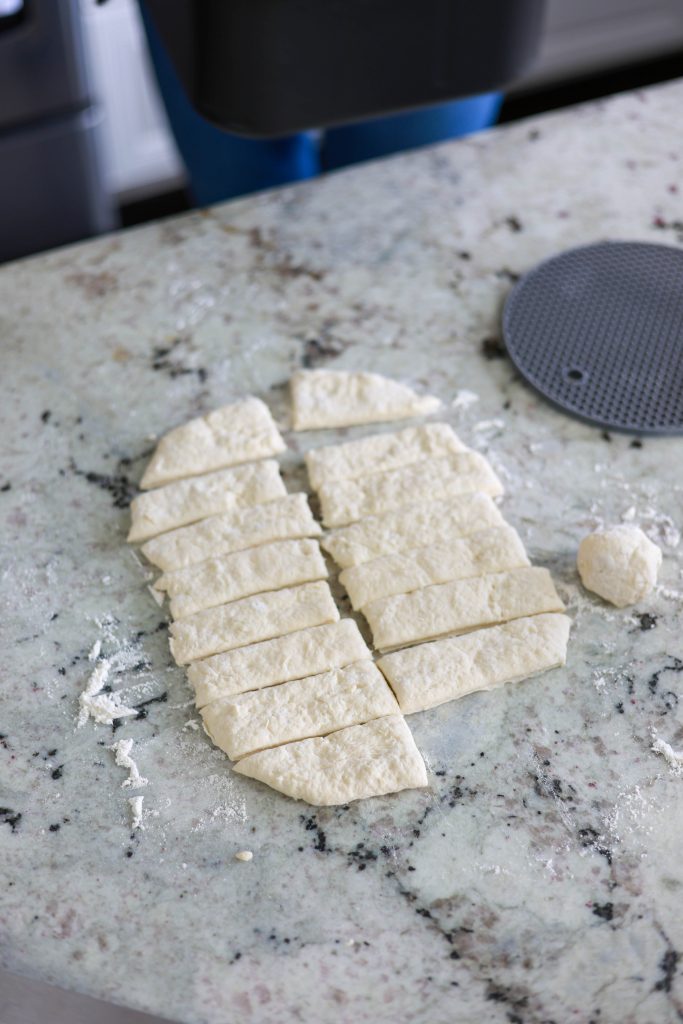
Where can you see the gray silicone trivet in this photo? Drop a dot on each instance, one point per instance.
(598, 331)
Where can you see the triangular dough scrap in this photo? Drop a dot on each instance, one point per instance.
(306, 652)
(337, 398)
(313, 706)
(241, 432)
(430, 674)
(380, 453)
(374, 759)
(186, 501)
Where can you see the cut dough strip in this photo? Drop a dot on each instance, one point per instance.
(431, 674)
(494, 550)
(460, 606)
(364, 760)
(437, 523)
(380, 453)
(431, 480)
(186, 501)
(306, 652)
(250, 620)
(283, 519)
(241, 432)
(283, 563)
(307, 707)
(337, 398)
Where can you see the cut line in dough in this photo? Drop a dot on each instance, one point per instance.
(313, 706)
(374, 759)
(337, 398)
(251, 620)
(460, 606)
(437, 523)
(380, 453)
(494, 550)
(284, 563)
(283, 519)
(433, 673)
(430, 480)
(306, 652)
(186, 501)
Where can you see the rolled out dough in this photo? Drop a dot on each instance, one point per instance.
(361, 761)
(427, 481)
(250, 620)
(283, 563)
(186, 501)
(234, 433)
(282, 519)
(460, 606)
(428, 675)
(439, 522)
(306, 652)
(313, 706)
(380, 453)
(493, 550)
(337, 398)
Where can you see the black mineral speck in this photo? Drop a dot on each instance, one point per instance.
(606, 436)
(45, 416)
(118, 485)
(604, 910)
(55, 828)
(668, 965)
(635, 443)
(647, 621)
(6, 487)
(10, 817)
(57, 772)
(514, 223)
(492, 348)
(316, 352)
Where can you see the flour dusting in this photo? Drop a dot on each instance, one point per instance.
(674, 758)
(135, 803)
(122, 753)
(464, 399)
(103, 708)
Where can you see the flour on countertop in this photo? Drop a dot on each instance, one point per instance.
(135, 803)
(94, 652)
(464, 399)
(674, 758)
(103, 708)
(122, 752)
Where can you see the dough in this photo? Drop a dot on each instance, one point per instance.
(260, 617)
(361, 761)
(431, 480)
(380, 452)
(307, 652)
(283, 519)
(337, 398)
(460, 606)
(186, 501)
(428, 675)
(230, 577)
(439, 522)
(235, 433)
(313, 706)
(488, 551)
(620, 564)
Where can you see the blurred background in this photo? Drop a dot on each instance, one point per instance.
(93, 127)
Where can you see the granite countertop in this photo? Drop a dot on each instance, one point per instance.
(539, 877)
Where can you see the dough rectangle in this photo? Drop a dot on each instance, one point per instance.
(337, 398)
(186, 501)
(429, 480)
(436, 523)
(493, 550)
(283, 563)
(241, 432)
(282, 519)
(460, 606)
(306, 652)
(313, 706)
(431, 674)
(260, 617)
(380, 453)
(364, 760)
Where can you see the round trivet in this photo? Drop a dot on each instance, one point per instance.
(598, 331)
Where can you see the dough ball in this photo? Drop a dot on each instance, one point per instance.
(620, 564)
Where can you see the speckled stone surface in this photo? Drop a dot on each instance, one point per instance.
(539, 878)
